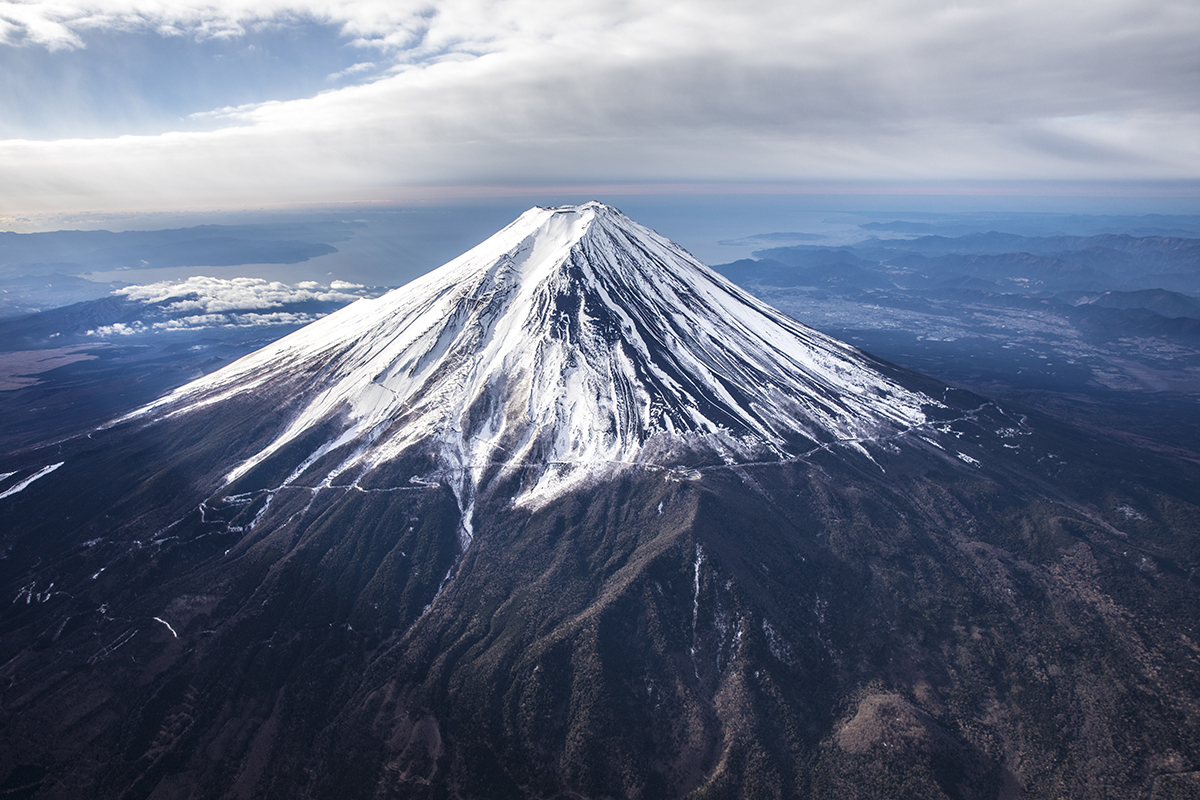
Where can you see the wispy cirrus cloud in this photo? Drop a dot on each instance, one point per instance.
(474, 92)
(387, 25)
(354, 69)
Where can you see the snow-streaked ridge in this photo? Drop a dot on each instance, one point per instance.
(572, 340)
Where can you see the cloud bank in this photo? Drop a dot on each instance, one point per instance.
(525, 92)
(202, 302)
(218, 295)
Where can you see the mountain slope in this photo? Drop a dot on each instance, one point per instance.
(571, 340)
(844, 581)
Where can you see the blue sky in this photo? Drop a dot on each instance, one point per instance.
(150, 104)
(136, 82)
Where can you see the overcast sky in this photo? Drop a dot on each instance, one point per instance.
(108, 104)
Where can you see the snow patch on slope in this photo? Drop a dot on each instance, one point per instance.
(24, 484)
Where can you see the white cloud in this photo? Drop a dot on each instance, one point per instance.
(353, 69)
(64, 24)
(202, 302)
(200, 321)
(117, 329)
(220, 295)
(536, 92)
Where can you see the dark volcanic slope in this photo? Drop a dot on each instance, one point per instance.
(980, 606)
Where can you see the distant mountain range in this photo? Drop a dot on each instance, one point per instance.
(1059, 263)
(1041, 223)
(1158, 301)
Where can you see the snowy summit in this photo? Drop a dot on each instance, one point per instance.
(571, 342)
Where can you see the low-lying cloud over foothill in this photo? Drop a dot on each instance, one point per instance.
(219, 295)
(202, 302)
(470, 93)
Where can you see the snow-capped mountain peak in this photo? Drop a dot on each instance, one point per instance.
(571, 341)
